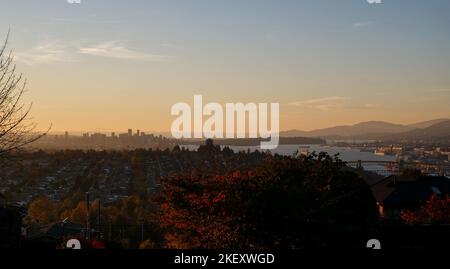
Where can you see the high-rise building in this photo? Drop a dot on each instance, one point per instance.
(130, 132)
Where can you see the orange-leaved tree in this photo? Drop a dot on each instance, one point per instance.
(286, 203)
(436, 210)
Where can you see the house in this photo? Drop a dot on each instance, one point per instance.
(396, 193)
(10, 227)
(49, 236)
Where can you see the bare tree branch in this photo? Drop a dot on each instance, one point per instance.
(16, 129)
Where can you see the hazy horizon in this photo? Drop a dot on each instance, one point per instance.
(167, 132)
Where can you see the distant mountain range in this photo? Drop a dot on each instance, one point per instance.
(437, 128)
(249, 142)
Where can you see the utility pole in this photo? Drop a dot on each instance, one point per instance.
(88, 218)
(99, 214)
(110, 229)
(142, 229)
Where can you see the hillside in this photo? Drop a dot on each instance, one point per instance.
(364, 130)
(436, 131)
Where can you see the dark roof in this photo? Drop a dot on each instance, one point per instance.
(401, 192)
(10, 224)
(57, 230)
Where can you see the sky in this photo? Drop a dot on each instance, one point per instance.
(110, 65)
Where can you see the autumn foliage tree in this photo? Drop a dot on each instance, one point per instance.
(42, 210)
(285, 203)
(436, 210)
(127, 211)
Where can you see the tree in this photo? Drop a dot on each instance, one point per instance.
(435, 211)
(16, 130)
(286, 203)
(42, 210)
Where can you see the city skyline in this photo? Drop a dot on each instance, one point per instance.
(109, 65)
(167, 133)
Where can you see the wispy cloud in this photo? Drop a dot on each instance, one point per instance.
(440, 91)
(172, 46)
(54, 52)
(118, 50)
(324, 104)
(366, 106)
(333, 102)
(93, 19)
(48, 52)
(361, 24)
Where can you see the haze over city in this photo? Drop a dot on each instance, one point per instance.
(113, 65)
